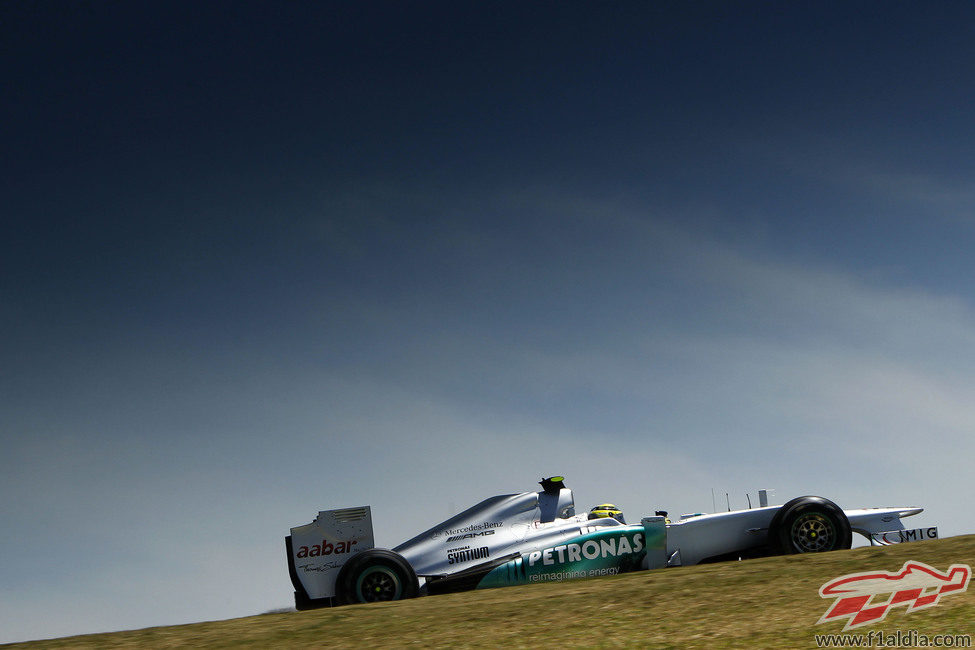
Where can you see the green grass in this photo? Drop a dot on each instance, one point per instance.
(764, 603)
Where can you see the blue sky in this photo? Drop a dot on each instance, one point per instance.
(261, 260)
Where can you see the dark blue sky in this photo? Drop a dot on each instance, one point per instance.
(253, 252)
(203, 121)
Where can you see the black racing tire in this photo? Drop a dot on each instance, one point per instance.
(809, 525)
(376, 575)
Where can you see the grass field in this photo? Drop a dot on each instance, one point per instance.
(764, 603)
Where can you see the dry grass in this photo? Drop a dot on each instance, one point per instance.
(765, 603)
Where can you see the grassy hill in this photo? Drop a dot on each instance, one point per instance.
(764, 603)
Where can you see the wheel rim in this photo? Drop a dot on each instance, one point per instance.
(812, 533)
(379, 583)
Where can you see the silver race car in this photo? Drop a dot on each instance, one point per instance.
(538, 537)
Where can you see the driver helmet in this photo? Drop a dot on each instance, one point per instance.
(607, 510)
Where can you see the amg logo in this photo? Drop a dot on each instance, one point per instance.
(482, 533)
(901, 536)
(326, 548)
(467, 554)
(918, 534)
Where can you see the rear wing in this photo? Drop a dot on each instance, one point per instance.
(317, 552)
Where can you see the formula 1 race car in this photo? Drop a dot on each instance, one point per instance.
(537, 537)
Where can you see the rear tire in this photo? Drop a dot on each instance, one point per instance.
(809, 525)
(376, 575)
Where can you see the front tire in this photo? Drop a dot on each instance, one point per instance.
(809, 525)
(376, 575)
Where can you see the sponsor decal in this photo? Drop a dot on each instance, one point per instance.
(466, 554)
(484, 525)
(326, 548)
(572, 575)
(457, 538)
(902, 536)
(865, 598)
(590, 549)
(609, 551)
(319, 567)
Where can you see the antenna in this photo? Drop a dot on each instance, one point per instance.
(713, 507)
(748, 496)
(728, 499)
